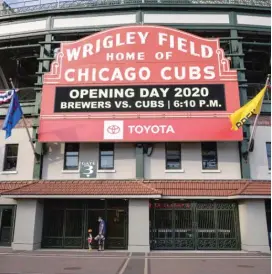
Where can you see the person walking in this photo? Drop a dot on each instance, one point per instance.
(101, 234)
(90, 238)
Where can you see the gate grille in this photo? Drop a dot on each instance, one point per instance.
(195, 225)
(66, 222)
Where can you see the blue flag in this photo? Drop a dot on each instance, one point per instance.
(14, 115)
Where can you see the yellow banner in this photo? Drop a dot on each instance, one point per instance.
(240, 116)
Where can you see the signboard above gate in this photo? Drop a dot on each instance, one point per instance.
(139, 83)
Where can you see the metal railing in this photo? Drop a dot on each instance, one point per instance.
(26, 6)
(26, 95)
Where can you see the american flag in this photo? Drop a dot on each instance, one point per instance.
(6, 95)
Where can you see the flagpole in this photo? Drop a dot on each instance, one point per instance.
(25, 124)
(256, 119)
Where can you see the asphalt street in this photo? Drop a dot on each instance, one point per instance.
(94, 262)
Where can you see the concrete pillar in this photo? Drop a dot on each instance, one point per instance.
(138, 225)
(28, 225)
(253, 226)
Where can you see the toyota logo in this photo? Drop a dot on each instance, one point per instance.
(113, 129)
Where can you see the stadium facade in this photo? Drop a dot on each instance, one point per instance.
(127, 103)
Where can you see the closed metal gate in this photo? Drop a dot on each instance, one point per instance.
(67, 221)
(194, 225)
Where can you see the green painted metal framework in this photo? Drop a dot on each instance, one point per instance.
(30, 6)
(194, 225)
(237, 41)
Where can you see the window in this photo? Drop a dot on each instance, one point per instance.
(173, 155)
(71, 156)
(209, 155)
(106, 156)
(268, 153)
(11, 155)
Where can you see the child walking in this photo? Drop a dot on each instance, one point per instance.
(90, 238)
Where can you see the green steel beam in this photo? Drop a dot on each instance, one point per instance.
(28, 109)
(49, 43)
(238, 63)
(46, 58)
(266, 108)
(44, 65)
(139, 162)
(139, 17)
(257, 44)
(20, 47)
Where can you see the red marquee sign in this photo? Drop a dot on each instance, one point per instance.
(139, 83)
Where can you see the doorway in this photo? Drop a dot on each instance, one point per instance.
(66, 223)
(7, 215)
(268, 219)
(194, 225)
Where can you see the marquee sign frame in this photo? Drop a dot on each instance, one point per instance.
(139, 83)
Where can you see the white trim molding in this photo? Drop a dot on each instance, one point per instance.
(211, 171)
(238, 197)
(193, 197)
(250, 197)
(253, 20)
(9, 172)
(69, 171)
(20, 27)
(174, 171)
(106, 171)
(107, 19)
(186, 18)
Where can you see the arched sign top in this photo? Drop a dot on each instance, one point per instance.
(142, 54)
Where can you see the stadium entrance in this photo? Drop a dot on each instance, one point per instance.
(66, 222)
(194, 225)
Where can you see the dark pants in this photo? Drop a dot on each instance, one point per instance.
(101, 241)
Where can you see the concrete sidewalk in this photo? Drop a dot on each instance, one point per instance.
(111, 262)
